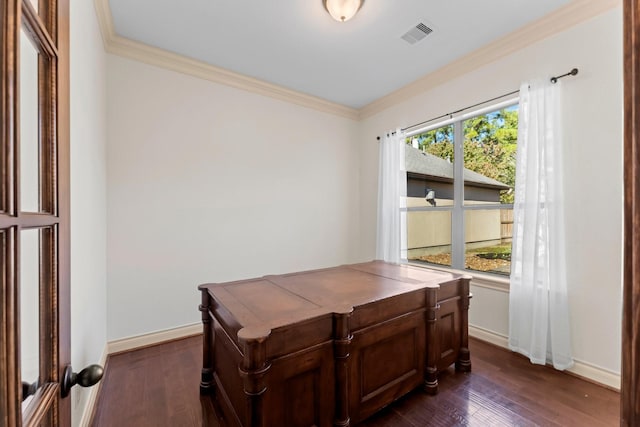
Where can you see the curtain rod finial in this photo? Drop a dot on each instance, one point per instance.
(573, 72)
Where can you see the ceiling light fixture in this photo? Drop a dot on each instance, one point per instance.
(342, 10)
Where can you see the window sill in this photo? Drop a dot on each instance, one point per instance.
(488, 281)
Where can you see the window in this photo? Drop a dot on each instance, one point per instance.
(460, 213)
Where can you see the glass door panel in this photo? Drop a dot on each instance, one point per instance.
(29, 127)
(37, 285)
(29, 309)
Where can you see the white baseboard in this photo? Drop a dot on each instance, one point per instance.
(92, 400)
(596, 374)
(582, 369)
(131, 343)
(488, 336)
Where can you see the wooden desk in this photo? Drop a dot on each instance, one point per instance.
(330, 347)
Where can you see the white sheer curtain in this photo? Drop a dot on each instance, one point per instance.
(538, 301)
(392, 189)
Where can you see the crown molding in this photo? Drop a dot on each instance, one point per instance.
(127, 48)
(105, 21)
(567, 16)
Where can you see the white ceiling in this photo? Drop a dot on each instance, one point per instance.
(297, 45)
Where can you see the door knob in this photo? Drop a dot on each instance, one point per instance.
(86, 378)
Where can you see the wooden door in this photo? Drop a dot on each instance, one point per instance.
(630, 387)
(34, 213)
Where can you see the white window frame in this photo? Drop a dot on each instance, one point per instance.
(489, 280)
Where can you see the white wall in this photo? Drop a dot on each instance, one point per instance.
(88, 195)
(593, 166)
(208, 183)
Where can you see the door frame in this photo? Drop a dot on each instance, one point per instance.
(630, 384)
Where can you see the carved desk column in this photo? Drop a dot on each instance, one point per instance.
(208, 366)
(463, 363)
(342, 340)
(253, 370)
(431, 319)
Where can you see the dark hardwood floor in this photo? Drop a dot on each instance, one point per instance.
(159, 386)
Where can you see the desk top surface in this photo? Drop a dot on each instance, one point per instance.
(278, 300)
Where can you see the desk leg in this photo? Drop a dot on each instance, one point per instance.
(206, 381)
(342, 341)
(253, 371)
(432, 342)
(464, 357)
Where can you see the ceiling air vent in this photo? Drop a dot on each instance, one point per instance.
(416, 33)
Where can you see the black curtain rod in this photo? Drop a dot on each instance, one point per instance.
(455, 112)
(570, 73)
(573, 72)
